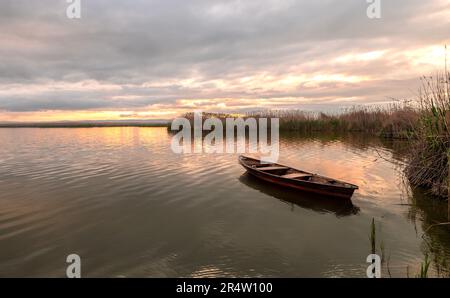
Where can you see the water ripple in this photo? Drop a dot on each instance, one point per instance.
(131, 207)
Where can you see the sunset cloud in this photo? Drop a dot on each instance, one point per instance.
(157, 59)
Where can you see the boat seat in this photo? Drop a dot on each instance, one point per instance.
(273, 168)
(296, 175)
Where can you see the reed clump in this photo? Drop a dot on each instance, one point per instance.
(396, 120)
(391, 121)
(428, 162)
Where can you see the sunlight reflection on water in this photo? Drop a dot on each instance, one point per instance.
(128, 206)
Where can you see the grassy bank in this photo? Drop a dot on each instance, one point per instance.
(392, 121)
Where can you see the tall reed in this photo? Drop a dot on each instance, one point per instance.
(424, 268)
(428, 164)
(373, 241)
(393, 121)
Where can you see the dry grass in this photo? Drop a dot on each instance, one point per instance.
(428, 162)
(392, 121)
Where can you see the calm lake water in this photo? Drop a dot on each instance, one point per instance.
(130, 207)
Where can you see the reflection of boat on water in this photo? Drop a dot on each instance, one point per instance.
(304, 200)
(296, 179)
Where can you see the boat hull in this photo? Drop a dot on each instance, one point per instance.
(304, 186)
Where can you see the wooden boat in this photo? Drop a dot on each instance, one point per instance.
(297, 179)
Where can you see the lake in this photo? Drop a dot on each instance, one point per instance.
(130, 207)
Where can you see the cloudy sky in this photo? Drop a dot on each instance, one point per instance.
(128, 59)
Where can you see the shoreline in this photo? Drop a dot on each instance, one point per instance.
(85, 124)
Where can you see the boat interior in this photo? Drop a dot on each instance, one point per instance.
(289, 173)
